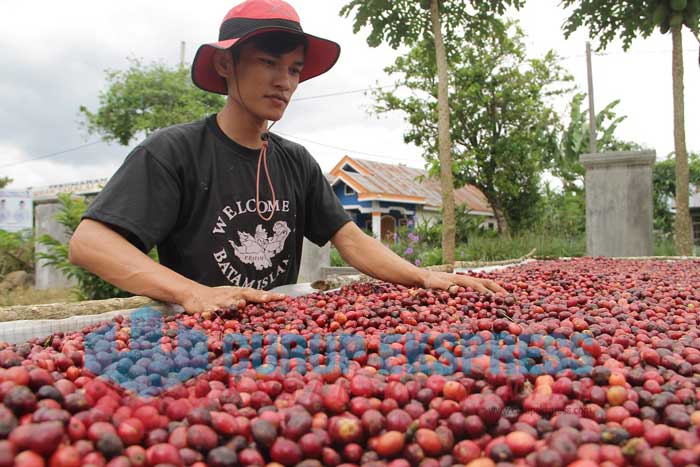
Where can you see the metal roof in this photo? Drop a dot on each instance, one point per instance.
(402, 181)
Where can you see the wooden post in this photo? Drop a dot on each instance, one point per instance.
(591, 106)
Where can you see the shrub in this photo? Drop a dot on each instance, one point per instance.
(90, 286)
(16, 252)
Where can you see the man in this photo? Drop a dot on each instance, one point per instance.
(226, 202)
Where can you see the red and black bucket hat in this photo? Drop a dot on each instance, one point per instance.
(254, 17)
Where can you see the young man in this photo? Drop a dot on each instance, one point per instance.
(226, 202)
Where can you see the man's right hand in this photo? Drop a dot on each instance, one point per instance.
(204, 298)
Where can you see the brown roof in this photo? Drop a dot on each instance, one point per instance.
(401, 181)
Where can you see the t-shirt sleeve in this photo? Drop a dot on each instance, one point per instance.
(324, 213)
(141, 201)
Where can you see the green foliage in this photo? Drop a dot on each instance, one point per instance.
(403, 22)
(575, 140)
(664, 182)
(563, 212)
(663, 245)
(469, 225)
(144, 98)
(16, 252)
(488, 247)
(90, 286)
(627, 20)
(4, 181)
(503, 125)
(548, 245)
(438, 23)
(429, 232)
(414, 249)
(337, 261)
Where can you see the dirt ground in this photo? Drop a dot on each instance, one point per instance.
(32, 296)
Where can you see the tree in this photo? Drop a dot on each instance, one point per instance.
(16, 252)
(504, 128)
(144, 98)
(664, 180)
(90, 286)
(606, 20)
(404, 22)
(4, 181)
(574, 141)
(563, 212)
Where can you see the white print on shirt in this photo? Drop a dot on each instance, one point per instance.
(259, 250)
(236, 279)
(243, 207)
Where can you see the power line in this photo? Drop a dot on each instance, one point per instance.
(53, 154)
(341, 93)
(320, 96)
(380, 156)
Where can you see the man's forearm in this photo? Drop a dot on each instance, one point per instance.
(370, 257)
(107, 254)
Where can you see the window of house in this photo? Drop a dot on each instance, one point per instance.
(349, 168)
(348, 190)
(403, 222)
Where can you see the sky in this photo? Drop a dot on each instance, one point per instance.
(54, 56)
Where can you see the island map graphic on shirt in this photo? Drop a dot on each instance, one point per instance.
(254, 253)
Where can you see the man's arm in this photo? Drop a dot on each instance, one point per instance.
(369, 256)
(104, 252)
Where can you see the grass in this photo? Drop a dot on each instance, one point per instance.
(491, 248)
(32, 296)
(497, 248)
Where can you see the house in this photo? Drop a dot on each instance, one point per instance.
(694, 207)
(382, 197)
(695, 214)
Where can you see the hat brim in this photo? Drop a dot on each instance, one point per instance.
(321, 55)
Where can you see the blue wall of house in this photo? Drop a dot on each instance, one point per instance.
(346, 200)
(364, 220)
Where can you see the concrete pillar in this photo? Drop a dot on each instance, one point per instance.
(619, 203)
(377, 225)
(313, 259)
(47, 277)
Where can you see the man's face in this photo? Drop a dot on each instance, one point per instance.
(266, 82)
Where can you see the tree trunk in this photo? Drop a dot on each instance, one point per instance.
(444, 142)
(501, 222)
(684, 245)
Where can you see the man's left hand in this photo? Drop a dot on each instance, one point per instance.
(449, 282)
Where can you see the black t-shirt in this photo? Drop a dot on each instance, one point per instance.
(190, 190)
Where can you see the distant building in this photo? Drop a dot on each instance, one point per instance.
(382, 197)
(695, 213)
(15, 210)
(694, 205)
(83, 188)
